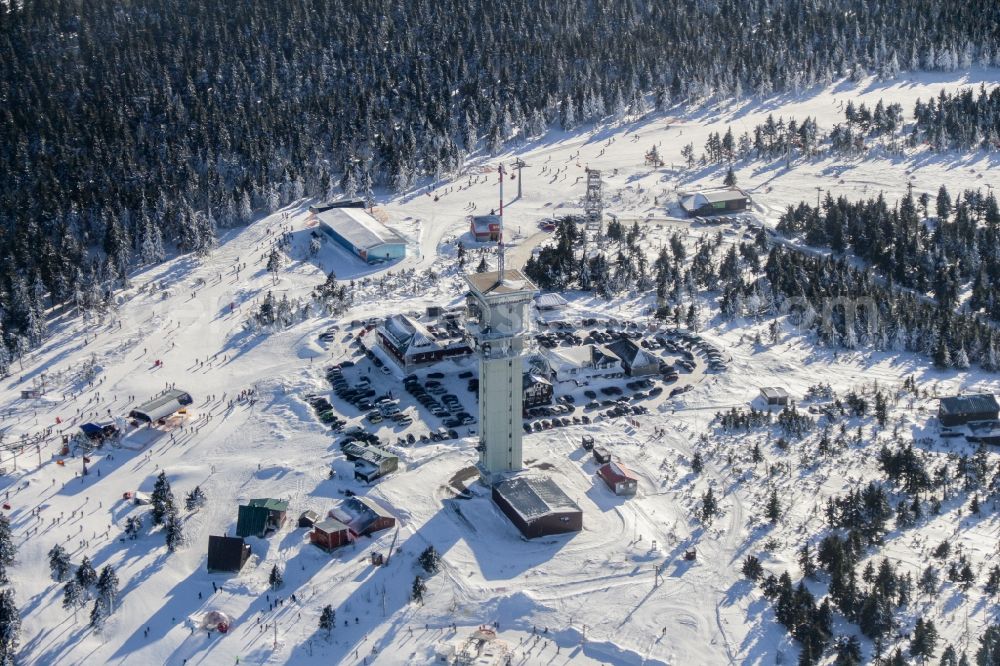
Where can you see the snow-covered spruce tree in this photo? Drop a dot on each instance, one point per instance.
(430, 560)
(709, 507)
(992, 585)
(923, 640)
(327, 620)
(133, 525)
(773, 509)
(752, 568)
(10, 627)
(162, 499)
(418, 589)
(86, 576)
(195, 499)
(274, 263)
(98, 614)
(730, 179)
(8, 549)
(173, 531)
(59, 563)
(107, 587)
(848, 651)
(275, 578)
(73, 597)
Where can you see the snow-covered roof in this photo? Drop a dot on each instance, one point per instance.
(530, 379)
(978, 403)
(586, 356)
(773, 393)
(367, 452)
(330, 525)
(162, 405)
(358, 513)
(615, 471)
(484, 224)
(535, 497)
(408, 334)
(358, 228)
(699, 199)
(549, 301)
(631, 353)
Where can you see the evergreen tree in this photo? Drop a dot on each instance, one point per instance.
(195, 499)
(418, 589)
(730, 179)
(327, 620)
(73, 596)
(162, 499)
(966, 577)
(697, 465)
(848, 651)
(275, 579)
(173, 531)
(107, 587)
(988, 653)
(752, 568)
(773, 509)
(99, 614)
(992, 586)
(806, 563)
(929, 580)
(430, 560)
(943, 208)
(923, 640)
(274, 264)
(85, 575)
(8, 549)
(133, 525)
(59, 563)
(10, 627)
(709, 506)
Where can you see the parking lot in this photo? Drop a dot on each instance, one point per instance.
(437, 405)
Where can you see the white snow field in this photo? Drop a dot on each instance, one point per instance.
(594, 596)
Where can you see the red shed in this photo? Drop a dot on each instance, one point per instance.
(330, 534)
(619, 478)
(484, 228)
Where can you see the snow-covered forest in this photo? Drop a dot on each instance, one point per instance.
(129, 130)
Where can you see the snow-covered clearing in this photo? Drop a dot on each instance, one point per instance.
(596, 593)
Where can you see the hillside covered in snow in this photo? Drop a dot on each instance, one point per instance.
(831, 529)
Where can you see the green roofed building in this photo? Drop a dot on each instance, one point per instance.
(260, 517)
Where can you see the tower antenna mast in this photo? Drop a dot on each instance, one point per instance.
(500, 245)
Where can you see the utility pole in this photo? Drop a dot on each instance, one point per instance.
(818, 190)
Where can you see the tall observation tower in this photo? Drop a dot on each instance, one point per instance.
(498, 318)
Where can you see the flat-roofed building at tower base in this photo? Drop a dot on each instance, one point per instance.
(537, 506)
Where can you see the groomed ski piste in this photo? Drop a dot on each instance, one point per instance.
(619, 592)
